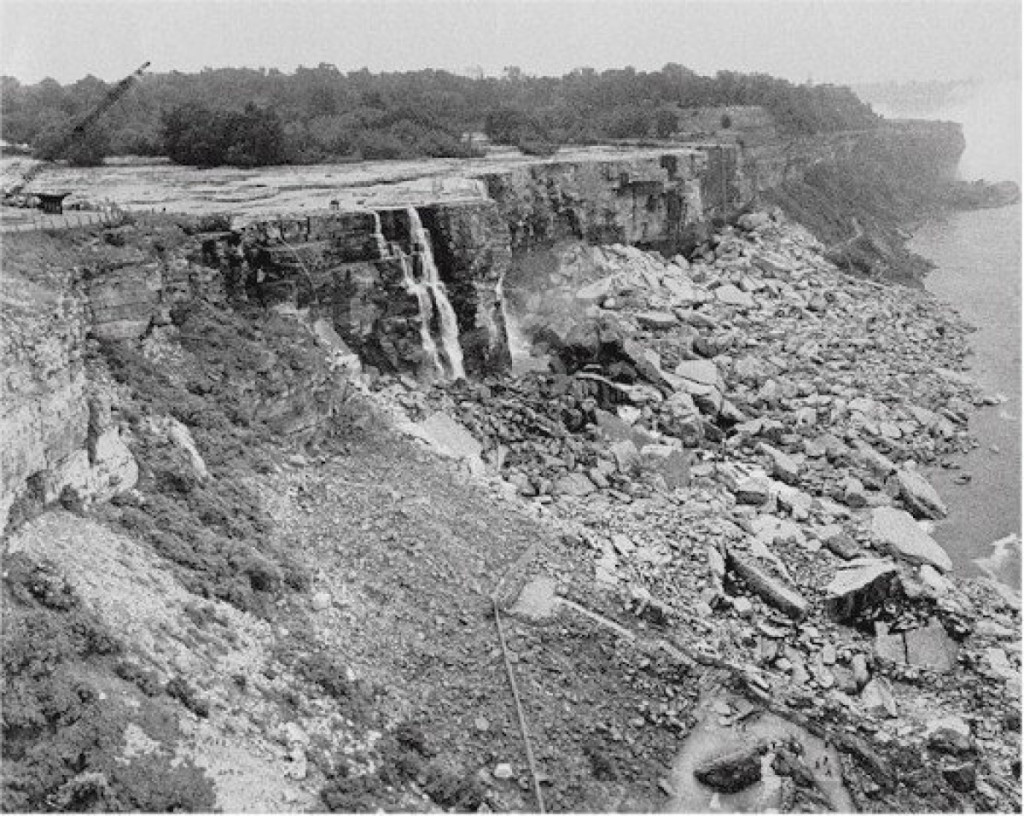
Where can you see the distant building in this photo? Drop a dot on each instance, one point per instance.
(52, 203)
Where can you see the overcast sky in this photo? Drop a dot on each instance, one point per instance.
(828, 40)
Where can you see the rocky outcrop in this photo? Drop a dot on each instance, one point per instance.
(649, 201)
(45, 416)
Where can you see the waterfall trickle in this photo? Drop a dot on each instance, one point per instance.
(426, 313)
(378, 235)
(431, 294)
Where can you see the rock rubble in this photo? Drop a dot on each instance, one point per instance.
(742, 437)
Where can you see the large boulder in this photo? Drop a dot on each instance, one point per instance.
(860, 587)
(931, 648)
(919, 496)
(733, 771)
(905, 538)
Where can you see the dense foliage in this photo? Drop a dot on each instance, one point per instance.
(206, 138)
(246, 116)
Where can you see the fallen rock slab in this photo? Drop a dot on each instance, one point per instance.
(919, 496)
(905, 538)
(767, 586)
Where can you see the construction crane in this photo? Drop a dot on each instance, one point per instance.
(80, 128)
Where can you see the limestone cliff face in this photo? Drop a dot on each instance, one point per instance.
(646, 201)
(58, 436)
(348, 264)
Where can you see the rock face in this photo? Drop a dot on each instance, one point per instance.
(898, 530)
(57, 430)
(649, 201)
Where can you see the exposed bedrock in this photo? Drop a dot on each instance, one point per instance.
(524, 248)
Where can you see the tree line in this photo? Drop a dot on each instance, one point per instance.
(249, 117)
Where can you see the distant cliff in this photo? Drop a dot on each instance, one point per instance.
(860, 191)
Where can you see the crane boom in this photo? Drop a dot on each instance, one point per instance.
(81, 127)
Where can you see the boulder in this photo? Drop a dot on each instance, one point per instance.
(949, 735)
(876, 462)
(734, 296)
(889, 647)
(919, 496)
(931, 648)
(450, 439)
(574, 484)
(784, 467)
(671, 463)
(902, 535)
(704, 372)
(962, 776)
(853, 492)
(627, 457)
(877, 698)
(861, 587)
(753, 221)
(731, 772)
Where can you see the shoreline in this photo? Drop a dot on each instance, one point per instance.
(979, 275)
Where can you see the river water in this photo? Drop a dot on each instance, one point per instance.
(978, 260)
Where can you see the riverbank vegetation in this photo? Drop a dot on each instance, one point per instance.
(247, 117)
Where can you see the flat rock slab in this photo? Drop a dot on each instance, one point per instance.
(767, 586)
(905, 538)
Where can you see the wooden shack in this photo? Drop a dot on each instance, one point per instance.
(52, 203)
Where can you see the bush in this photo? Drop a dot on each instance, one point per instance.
(62, 742)
(196, 135)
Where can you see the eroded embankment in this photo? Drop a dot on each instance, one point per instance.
(719, 477)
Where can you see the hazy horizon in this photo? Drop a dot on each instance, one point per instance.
(842, 41)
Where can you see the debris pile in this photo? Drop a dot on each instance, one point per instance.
(741, 439)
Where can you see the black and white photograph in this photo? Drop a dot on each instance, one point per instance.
(510, 406)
